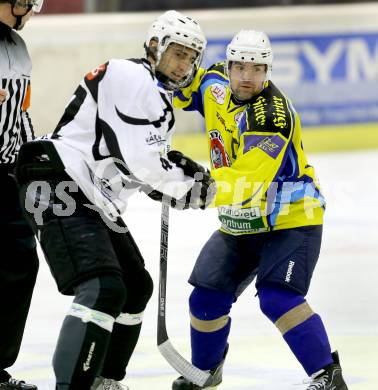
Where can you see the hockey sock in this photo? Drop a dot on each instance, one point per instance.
(79, 353)
(86, 331)
(309, 343)
(302, 329)
(127, 326)
(124, 338)
(210, 326)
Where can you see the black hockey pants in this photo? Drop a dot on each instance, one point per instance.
(102, 267)
(18, 270)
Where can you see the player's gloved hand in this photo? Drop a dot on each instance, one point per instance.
(199, 196)
(151, 193)
(189, 166)
(204, 188)
(202, 193)
(158, 196)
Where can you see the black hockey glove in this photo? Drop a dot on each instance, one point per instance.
(199, 196)
(158, 196)
(202, 193)
(203, 190)
(189, 166)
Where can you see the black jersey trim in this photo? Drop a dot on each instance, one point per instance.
(113, 146)
(144, 122)
(71, 110)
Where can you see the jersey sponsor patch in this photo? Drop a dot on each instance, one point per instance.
(218, 154)
(279, 114)
(260, 110)
(154, 139)
(219, 92)
(237, 220)
(271, 145)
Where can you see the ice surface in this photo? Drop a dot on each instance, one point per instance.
(344, 292)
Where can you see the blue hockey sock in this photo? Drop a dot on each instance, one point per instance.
(310, 345)
(208, 347)
(302, 329)
(210, 326)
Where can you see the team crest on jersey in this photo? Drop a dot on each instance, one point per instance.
(219, 92)
(219, 156)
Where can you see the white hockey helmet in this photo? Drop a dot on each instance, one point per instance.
(37, 5)
(250, 46)
(174, 27)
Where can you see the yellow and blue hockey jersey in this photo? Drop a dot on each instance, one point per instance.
(264, 181)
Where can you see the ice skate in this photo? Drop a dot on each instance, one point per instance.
(182, 383)
(101, 383)
(9, 383)
(330, 378)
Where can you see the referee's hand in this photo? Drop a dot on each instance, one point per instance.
(3, 95)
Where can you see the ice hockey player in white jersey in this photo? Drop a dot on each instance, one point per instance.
(113, 140)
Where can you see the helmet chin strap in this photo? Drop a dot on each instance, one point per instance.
(150, 52)
(165, 80)
(19, 17)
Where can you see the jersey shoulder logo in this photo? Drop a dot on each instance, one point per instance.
(96, 72)
(219, 92)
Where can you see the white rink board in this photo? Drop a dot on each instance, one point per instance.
(344, 292)
(64, 48)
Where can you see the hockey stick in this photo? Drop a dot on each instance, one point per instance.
(179, 363)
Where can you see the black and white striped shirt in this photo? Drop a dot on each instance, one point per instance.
(15, 70)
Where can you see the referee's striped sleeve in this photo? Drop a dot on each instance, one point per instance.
(27, 131)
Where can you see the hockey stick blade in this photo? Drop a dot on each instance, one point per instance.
(178, 362)
(181, 365)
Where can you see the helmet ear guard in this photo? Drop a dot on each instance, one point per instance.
(250, 46)
(174, 27)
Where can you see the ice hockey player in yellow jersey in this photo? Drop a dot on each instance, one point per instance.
(271, 212)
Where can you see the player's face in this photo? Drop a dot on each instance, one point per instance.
(177, 61)
(247, 79)
(21, 8)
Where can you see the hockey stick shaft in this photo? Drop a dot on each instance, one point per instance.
(178, 362)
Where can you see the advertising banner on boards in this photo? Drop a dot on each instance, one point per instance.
(331, 79)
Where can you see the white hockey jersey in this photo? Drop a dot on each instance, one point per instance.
(115, 133)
